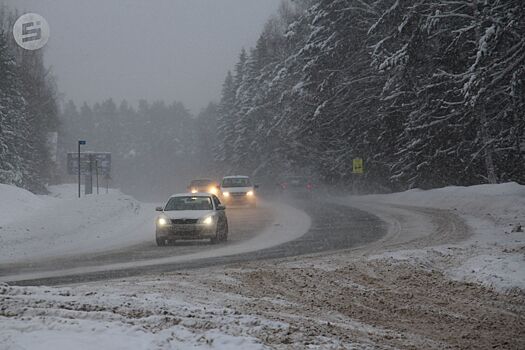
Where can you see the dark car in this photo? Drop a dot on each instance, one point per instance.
(204, 186)
(297, 186)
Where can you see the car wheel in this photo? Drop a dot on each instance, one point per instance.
(224, 236)
(217, 238)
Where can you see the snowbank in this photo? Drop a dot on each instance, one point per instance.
(507, 200)
(40, 318)
(34, 227)
(494, 255)
(15, 202)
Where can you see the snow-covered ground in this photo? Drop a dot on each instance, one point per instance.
(34, 227)
(120, 317)
(494, 252)
(412, 289)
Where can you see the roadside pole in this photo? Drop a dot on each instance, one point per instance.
(96, 170)
(357, 170)
(88, 179)
(80, 142)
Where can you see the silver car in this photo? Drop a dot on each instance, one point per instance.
(190, 216)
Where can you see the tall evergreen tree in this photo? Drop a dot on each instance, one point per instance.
(15, 130)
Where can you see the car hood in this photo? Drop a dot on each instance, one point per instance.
(205, 188)
(188, 214)
(236, 189)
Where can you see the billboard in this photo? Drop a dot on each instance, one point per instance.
(89, 161)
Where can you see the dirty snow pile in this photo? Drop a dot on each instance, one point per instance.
(494, 254)
(33, 227)
(120, 317)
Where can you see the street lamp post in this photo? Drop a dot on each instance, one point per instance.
(80, 142)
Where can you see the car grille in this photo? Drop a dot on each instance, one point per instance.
(183, 221)
(238, 194)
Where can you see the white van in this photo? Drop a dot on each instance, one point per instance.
(238, 189)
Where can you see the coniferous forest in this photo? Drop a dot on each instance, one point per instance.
(428, 93)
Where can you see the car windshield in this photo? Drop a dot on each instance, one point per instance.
(199, 183)
(189, 203)
(236, 182)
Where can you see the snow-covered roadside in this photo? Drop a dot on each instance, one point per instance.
(35, 227)
(138, 316)
(493, 255)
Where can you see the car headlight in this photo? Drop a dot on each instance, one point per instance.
(193, 190)
(207, 220)
(162, 221)
(213, 190)
(226, 194)
(249, 193)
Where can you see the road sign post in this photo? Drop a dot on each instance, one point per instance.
(88, 185)
(80, 142)
(107, 178)
(96, 170)
(357, 170)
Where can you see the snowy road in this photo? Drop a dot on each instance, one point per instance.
(276, 230)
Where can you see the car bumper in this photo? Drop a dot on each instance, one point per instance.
(239, 199)
(192, 231)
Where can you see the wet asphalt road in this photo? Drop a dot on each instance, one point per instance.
(333, 227)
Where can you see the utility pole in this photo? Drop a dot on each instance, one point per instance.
(80, 142)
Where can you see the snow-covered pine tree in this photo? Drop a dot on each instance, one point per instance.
(40, 92)
(15, 150)
(244, 116)
(225, 132)
(491, 86)
(334, 94)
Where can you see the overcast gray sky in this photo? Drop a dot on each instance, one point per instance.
(154, 49)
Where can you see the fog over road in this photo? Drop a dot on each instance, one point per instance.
(261, 233)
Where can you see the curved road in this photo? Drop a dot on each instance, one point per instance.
(333, 227)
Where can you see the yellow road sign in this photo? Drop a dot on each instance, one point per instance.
(357, 166)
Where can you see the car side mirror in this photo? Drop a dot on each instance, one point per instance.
(221, 207)
(159, 209)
